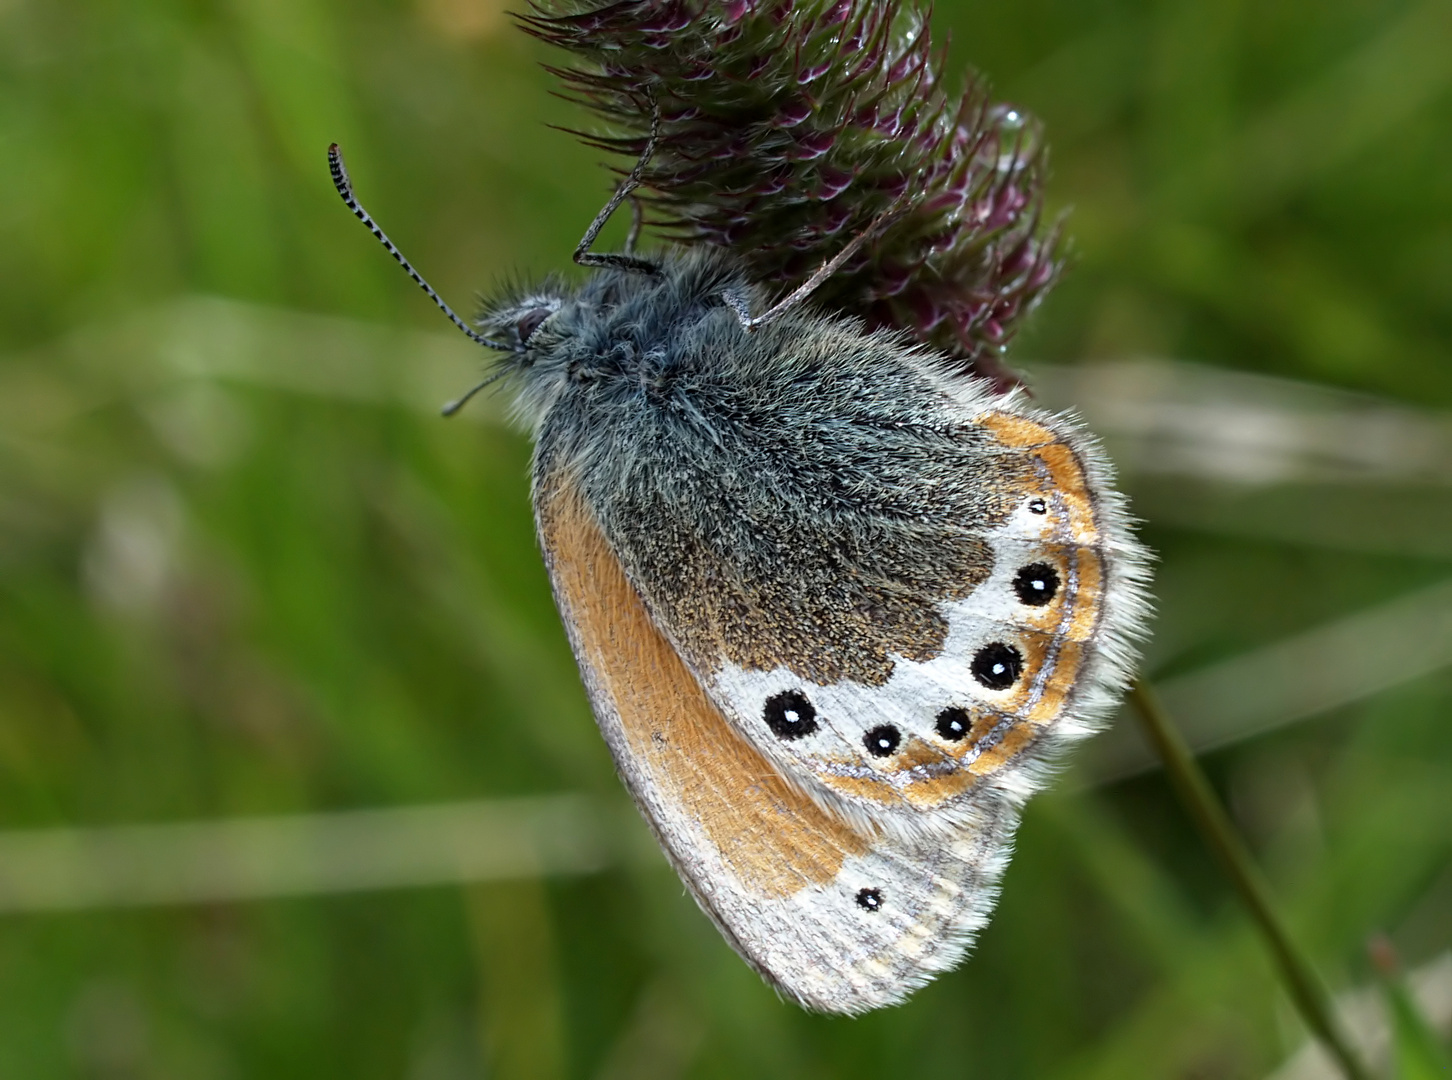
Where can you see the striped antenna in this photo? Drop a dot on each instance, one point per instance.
(345, 189)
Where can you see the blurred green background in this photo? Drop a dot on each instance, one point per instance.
(246, 571)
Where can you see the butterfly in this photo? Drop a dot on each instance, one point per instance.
(837, 606)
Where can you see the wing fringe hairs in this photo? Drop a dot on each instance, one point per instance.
(789, 126)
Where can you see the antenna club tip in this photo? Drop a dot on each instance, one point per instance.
(339, 173)
(450, 408)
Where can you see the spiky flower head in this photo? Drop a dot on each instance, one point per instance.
(788, 127)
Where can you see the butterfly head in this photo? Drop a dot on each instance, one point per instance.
(609, 337)
(533, 328)
(517, 321)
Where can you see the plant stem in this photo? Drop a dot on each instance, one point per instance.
(1216, 829)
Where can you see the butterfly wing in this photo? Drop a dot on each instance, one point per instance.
(904, 591)
(839, 919)
(1032, 658)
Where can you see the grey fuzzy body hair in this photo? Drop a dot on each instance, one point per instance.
(797, 494)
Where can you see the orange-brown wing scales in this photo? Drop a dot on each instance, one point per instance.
(775, 839)
(1060, 473)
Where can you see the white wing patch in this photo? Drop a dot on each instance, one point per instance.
(892, 919)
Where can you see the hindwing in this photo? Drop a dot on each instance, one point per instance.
(839, 919)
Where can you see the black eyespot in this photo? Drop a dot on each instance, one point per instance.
(1038, 506)
(954, 723)
(882, 741)
(790, 715)
(997, 666)
(1036, 584)
(530, 321)
(870, 899)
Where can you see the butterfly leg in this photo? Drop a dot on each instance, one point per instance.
(637, 219)
(737, 301)
(626, 261)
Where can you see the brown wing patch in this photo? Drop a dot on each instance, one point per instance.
(776, 839)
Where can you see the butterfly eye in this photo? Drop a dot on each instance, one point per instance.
(530, 321)
(997, 666)
(790, 715)
(1036, 584)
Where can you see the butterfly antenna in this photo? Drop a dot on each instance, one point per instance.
(345, 189)
(450, 408)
